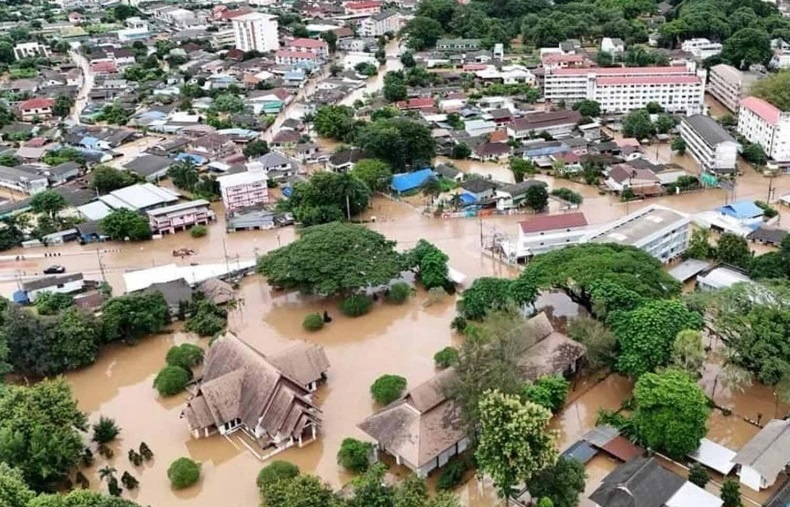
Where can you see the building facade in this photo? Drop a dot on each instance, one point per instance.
(316, 47)
(679, 88)
(381, 23)
(30, 50)
(763, 123)
(729, 85)
(256, 31)
(546, 233)
(242, 190)
(180, 216)
(709, 143)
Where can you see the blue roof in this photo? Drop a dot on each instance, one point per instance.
(404, 182)
(89, 142)
(582, 451)
(467, 199)
(741, 209)
(287, 191)
(197, 159)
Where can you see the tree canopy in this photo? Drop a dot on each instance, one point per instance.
(335, 258)
(401, 142)
(671, 412)
(335, 122)
(775, 88)
(488, 293)
(576, 269)
(561, 482)
(374, 173)
(125, 223)
(328, 197)
(132, 316)
(105, 179)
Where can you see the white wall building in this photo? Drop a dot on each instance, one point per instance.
(729, 85)
(62, 284)
(612, 45)
(30, 50)
(679, 88)
(701, 48)
(241, 190)
(256, 31)
(659, 231)
(551, 232)
(381, 23)
(709, 143)
(763, 123)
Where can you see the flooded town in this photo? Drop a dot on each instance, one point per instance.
(422, 253)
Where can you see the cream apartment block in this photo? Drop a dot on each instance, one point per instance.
(381, 23)
(315, 47)
(242, 190)
(763, 123)
(256, 31)
(729, 85)
(677, 88)
(709, 143)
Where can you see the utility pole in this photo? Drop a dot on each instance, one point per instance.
(771, 189)
(480, 221)
(348, 208)
(225, 250)
(101, 266)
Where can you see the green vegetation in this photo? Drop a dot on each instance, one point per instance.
(731, 493)
(774, 88)
(185, 175)
(678, 145)
(452, 475)
(402, 143)
(186, 356)
(387, 388)
(328, 197)
(125, 224)
(105, 179)
(374, 173)
(399, 293)
(548, 392)
(486, 294)
(198, 231)
(568, 195)
(430, 263)
(183, 473)
(446, 357)
(133, 316)
(354, 455)
(52, 303)
(171, 380)
(105, 431)
(275, 471)
(356, 305)
(599, 341)
(561, 482)
(313, 322)
(207, 318)
(698, 475)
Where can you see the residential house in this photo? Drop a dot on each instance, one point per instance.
(381, 23)
(244, 189)
(217, 291)
(305, 152)
(479, 188)
(643, 482)
(765, 456)
(61, 284)
(176, 293)
(767, 236)
(476, 128)
(214, 146)
(491, 152)
(555, 123)
(179, 216)
(415, 104)
(701, 48)
(304, 362)
(285, 139)
(545, 233)
(449, 172)
(150, 167)
(37, 108)
(275, 165)
(640, 181)
(720, 277)
(513, 195)
(344, 160)
(659, 231)
(745, 212)
(30, 50)
(455, 45)
(62, 173)
(316, 47)
(255, 218)
(613, 46)
(709, 144)
(240, 389)
(27, 181)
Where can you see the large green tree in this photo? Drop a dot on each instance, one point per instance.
(300, 491)
(40, 432)
(124, 223)
(514, 442)
(401, 142)
(646, 335)
(334, 258)
(488, 293)
(374, 173)
(747, 47)
(133, 316)
(81, 498)
(335, 122)
(562, 482)
(775, 88)
(422, 33)
(14, 492)
(733, 249)
(637, 124)
(49, 203)
(575, 269)
(105, 179)
(671, 412)
(431, 264)
(328, 197)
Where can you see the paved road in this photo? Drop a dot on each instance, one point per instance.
(87, 85)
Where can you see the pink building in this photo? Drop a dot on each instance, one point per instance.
(364, 8)
(180, 216)
(303, 45)
(242, 190)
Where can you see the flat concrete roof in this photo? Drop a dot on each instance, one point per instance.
(638, 226)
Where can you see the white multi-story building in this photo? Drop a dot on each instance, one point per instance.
(288, 57)
(678, 88)
(763, 123)
(242, 190)
(381, 23)
(551, 232)
(709, 143)
(30, 50)
(256, 32)
(316, 47)
(701, 48)
(729, 85)
(659, 231)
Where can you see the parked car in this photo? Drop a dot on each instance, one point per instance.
(55, 270)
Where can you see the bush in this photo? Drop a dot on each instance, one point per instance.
(183, 473)
(313, 322)
(198, 231)
(458, 324)
(354, 455)
(185, 356)
(446, 357)
(387, 388)
(275, 471)
(451, 476)
(207, 319)
(356, 305)
(549, 392)
(171, 380)
(399, 293)
(698, 475)
(105, 430)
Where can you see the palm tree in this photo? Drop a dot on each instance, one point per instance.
(431, 188)
(107, 472)
(455, 201)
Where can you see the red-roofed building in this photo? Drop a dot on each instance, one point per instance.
(763, 123)
(563, 61)
(365, 8)
(104, 67)
(677, 88)
(418, 103)
(304, 45)
(39, 107)
(288, 57)
(544, 233)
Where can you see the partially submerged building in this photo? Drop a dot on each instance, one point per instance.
(765, 456)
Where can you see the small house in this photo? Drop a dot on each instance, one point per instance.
(406, 182)
(765, 456)
(62, 284)
(177, 293)
(479, 188)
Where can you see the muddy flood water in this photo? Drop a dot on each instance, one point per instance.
(392, 339)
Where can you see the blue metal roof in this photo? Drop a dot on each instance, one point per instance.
(404, 182)
(581, 451)
(468, 199)
(741, 209)
(197, 159)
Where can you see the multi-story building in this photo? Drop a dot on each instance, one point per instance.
(709, 143)
(550, 232)
(363, 8)
(288, 57)
(39, 107)
(659, 231)
(701, 48)
(316, 47)
(458, 44)
(729, 85)
(223, 37)
(763, 123)
(242, 190)
(30, 50)
(677, 88)
(180, 216)
(381, 23)
(256, 32)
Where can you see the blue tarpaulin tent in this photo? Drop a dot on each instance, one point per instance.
(404, 182)
(742, 210)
